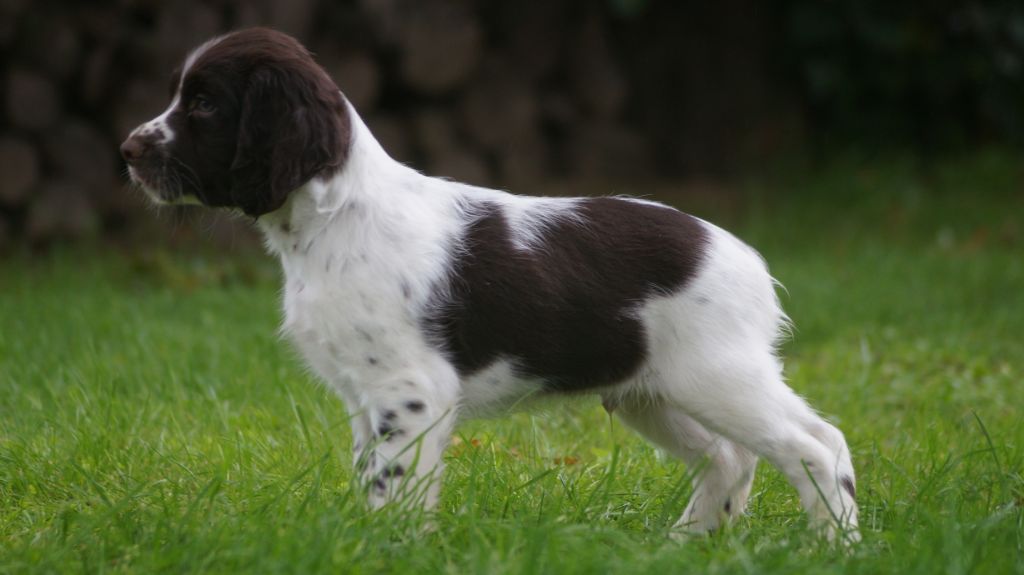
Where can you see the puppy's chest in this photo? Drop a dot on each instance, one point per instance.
(354, 321)
(362, 323)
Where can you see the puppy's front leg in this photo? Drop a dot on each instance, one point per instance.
(402, 428)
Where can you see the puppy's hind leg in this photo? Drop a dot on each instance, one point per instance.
(744, 398)
(724, 470)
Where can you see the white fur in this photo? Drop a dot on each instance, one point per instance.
(363, 252)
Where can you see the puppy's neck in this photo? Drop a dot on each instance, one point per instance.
(358, 195)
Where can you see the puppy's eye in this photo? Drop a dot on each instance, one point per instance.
(201, 106)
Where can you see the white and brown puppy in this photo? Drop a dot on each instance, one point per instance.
(422, 300)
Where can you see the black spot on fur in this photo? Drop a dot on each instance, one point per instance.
(847, 482)
(371, 360)
(415, 406)
(387, 431)
(395, 470)
(286, 228)
(379, 484)
(564, 312)
(389, 415)
(728, 505)
(406, 289)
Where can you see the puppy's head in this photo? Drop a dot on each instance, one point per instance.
(252, 117)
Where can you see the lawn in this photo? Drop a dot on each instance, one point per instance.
(151, 421)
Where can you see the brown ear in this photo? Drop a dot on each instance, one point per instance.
(293, 127)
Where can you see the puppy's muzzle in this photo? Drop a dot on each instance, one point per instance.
(136, 149)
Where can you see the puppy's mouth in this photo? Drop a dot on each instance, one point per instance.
(163, 186)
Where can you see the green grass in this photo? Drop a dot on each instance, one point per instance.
(151, 421)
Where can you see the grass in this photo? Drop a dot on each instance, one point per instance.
(150, 421)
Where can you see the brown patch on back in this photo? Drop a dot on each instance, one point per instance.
(565, 311)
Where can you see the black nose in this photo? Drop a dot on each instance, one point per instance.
(132, 149)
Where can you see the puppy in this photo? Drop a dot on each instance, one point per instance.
(422, 300)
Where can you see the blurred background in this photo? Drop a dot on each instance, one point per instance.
(604, 96)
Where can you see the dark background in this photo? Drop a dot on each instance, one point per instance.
(523, 95)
